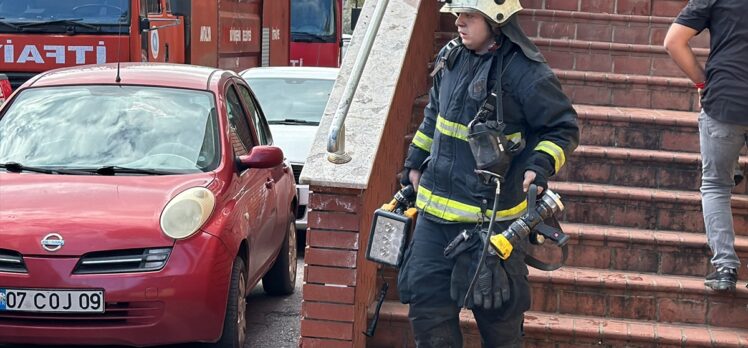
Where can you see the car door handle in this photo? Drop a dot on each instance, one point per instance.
(269, 183)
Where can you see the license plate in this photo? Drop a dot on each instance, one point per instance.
(52, 301)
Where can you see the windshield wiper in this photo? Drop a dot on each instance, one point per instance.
(9, 24)
(114, 170)
(292, 121)
(15, 167)
(310, 37)
(69, 21)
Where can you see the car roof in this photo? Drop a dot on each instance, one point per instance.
(148, 74)
(292, 72)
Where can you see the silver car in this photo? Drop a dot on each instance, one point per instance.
(293, 100)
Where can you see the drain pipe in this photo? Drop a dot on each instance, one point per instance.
(336, 138)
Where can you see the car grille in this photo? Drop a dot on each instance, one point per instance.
(297, 171)
(115, 313)
(122, 261)
(11, 261)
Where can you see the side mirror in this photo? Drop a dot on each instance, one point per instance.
(261, 157)
(145, 24)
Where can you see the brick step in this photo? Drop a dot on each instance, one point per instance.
(663, 8)
(645, 60)
(612, 126)
(639, 207)
(591, 26)
(638, 168)
(557, 330)
(640, 296)
(638, 128)
(601, 27)
(650, 92)
(638, 250)
(628, 249)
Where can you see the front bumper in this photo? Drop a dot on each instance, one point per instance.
(183, 302)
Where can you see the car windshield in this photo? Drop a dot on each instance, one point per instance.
(315, 17)
(298, 99)
(90, 127)
(85, 11)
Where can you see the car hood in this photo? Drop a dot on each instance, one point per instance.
(90, 212)
(294, 140)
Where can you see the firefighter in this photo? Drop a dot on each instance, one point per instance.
(451, 198)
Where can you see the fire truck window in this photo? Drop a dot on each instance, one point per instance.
(241, 132)
(150, 6)
(88, 11)
(313, 18)
(256, 117)
(14, 7)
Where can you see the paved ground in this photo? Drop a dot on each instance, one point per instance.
(274, 321)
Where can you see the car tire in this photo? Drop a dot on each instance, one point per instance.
(281, 279)
(235, 323)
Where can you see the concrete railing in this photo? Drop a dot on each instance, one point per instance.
(336, 137)
(339, 283)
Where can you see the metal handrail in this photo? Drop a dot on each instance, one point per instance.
(336, 137)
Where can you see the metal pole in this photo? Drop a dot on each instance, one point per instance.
(336, 138)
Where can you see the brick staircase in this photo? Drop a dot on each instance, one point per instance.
(638, 252)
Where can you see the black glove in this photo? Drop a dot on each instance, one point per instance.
(405, 177)
(541, 180)
(491, 289)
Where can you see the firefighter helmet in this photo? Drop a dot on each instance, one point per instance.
(497, 11)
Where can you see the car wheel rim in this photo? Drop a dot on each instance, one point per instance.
(241, 320)
(292, 252)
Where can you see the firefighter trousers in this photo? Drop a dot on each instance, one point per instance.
(424, 283)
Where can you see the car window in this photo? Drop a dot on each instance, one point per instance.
(98, 125)
(260, 124)
(286, 100)
(239, 123)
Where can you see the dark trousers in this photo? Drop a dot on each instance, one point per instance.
(424, 283)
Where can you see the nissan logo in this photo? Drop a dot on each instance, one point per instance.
(52, 242)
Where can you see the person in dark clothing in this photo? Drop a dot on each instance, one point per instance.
(451, 197)
(723, 122)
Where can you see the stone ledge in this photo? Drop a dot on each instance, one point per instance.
(371, 103)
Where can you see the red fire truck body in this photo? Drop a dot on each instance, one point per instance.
(40, 35)
(316, 32)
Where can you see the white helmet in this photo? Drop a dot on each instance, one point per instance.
(498, 11)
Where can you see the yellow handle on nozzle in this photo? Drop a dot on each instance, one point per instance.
(501, 245)
(390, 206)
(411, 213)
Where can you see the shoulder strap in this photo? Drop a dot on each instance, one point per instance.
(447, 56)
(494, 102)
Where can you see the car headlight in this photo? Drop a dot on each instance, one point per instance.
(187, 212)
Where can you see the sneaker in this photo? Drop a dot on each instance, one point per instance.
(724, 278)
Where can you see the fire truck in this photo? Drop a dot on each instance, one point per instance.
(316, 32)
(38, 35)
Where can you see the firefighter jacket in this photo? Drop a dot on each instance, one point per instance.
(535, 108)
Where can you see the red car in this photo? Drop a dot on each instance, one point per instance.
(139, 206)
